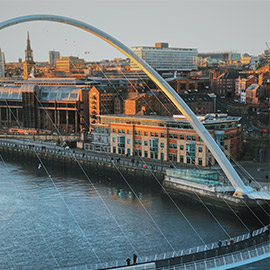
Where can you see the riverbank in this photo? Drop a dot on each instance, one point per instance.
(136, 170)
(141, 169)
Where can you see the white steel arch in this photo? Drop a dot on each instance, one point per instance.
(220, 157)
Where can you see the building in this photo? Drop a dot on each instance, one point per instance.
(224, 85)
(163, 58)
(102, 101)
(53, 56)
(226, 56)
(181, 85)
(244, 83)
(2, 64)
(171, 138)
(29, 63)
(70, 64)
(245, 59)
(253, 93)
(51, 107)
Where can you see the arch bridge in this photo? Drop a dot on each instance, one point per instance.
(233, 177)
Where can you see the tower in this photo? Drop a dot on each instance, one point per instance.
(29, 59)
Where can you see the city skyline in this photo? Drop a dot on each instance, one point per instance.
(200, 30)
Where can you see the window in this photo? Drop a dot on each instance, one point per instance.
(175, 157)
(119, 130)
(181, 147)
(162, 135)
(156, 134)
(171, 136)
(225, 137)
(145, 133)
(128, 141)
(193, 138)
(140, 142)
(145, 143)
(231, 145)
(151, 133)
(200, 149)
(128, 132)
(123, 131)
(136, 141)
(114, 149)
(146, 154)
(175, 136)
(200, 140)
(181, 159)
(231, 135)
(162, 145)
(170, 156)
(114, 139)
(136, 132)
(182, 137)
(200, 161)
(114, 130)
(140, 133)
(170, 145)
(175, 146)
(189, 138)
(140, 153)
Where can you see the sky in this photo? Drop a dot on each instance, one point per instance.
(216, 25)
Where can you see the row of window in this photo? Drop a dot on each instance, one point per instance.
(174, 136)
(162, 135)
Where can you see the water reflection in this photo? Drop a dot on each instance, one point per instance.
(70, 219)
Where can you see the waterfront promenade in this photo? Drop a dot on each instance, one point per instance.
(144, 166)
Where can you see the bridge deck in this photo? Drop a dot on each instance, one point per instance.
(233, 252)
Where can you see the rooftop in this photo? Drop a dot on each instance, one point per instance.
(206, 119)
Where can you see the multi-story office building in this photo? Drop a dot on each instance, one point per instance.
(2, 64)
(171, 138)
(163, 58)
(70, 64)
(53, 56)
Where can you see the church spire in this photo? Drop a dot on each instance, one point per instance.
(29, 59)
(29, 52)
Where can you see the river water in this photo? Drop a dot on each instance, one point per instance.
(75, 219)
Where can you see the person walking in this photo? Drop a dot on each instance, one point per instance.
(128, 261)
(135, 259)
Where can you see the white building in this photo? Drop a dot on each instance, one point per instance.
(243, 96)
(2, 64)
(53, 55)
(163, 58)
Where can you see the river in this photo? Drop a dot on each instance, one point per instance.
(76, 219)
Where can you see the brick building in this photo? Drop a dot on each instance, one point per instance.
(253, 93)
(224, 85)
(244, 83)
(171, 138)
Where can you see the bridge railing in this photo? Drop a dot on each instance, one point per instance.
(230, 260)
